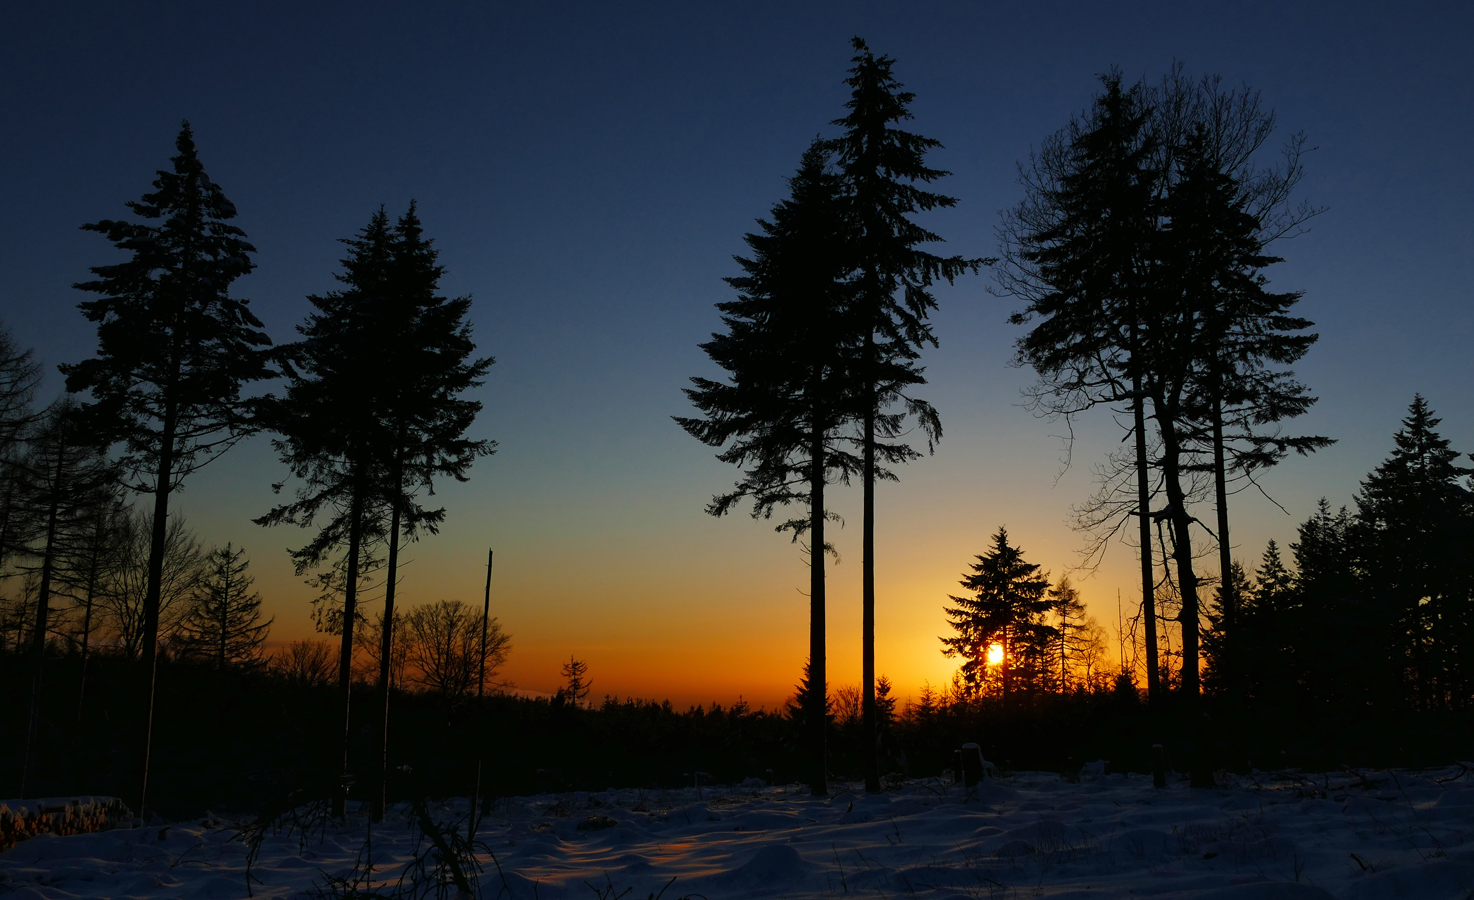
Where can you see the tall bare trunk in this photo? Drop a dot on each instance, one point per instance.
(1148, 571)
(1227, 589)
(869, 752)
(386, 648)
(345, 656)
(818, 701)
(43, 614)
(152, 596)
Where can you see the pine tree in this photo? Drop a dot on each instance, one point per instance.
(881, 166)
(1214, 253)
(174, 352)
(789, 390)
(1078, 251)
(330, 432)
(225, 624)
(425, 368)
(1413, 534)
(576, 686)
(1010, 598)
(1072, 629)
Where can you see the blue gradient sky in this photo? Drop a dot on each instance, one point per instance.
(588, 170)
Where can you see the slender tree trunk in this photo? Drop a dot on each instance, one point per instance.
(43, 613)
(1148, 571)
(472, 821)
(1187, 582)
(152, 597)
(345, 656)
(92, 565)
(386, 648)
(818, 701)
(869, 752)
(1227, 589)
(224, 615)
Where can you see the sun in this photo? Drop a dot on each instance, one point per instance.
(995, 654)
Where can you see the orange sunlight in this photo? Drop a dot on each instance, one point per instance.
(995, 654)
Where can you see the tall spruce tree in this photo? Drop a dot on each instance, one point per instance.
(330, 436)
(1009, 600)
(1413, 533)
(1245, 337)
(789, 392)
(1078, 251)
(174, 352)
(426, 365)
(883, 169)
(225, 625)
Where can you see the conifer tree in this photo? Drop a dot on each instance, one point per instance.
(330, 435)
(225, 624)
(883, 169)
(426, 366)
(1078, 251)
(1413, 534)
(1243, 337)
(1009, 600)
(577, 685)
(1073, 621)
(789, 391)
(174, 352)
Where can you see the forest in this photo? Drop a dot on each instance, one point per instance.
(136, 657)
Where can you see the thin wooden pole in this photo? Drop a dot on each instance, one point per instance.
(480, 698)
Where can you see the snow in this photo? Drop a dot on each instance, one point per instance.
(1362, 834)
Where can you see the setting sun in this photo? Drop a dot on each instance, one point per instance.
(995, 654)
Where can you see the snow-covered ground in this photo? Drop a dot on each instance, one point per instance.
(1359, 834)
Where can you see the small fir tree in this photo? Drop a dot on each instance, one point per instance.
(225, 624)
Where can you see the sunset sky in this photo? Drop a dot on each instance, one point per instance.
(588, 171)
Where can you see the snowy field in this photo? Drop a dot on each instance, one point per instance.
(1359, 835)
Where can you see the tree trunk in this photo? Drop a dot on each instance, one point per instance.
(151, 598)
(1227, 589)
(1187, 582)
(345, 657)
(817, 700)
(1148, 571)
(869, 754)
(386, 647)
(43, 613)
(92, 566)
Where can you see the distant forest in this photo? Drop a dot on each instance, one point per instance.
(133, 655)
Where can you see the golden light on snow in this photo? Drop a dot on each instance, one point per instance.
(995, 654)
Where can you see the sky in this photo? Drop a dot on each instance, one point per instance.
(588, 171)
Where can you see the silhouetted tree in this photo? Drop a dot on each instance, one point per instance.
(123, 590)
(1077, 250)
(224, 623)
(330, 434)
(1413, 539)
(64, 473)
(882, 168)
(576, 683)
(20, 375)
(1244, 336)
(174, 351)
(788, 394)
(1009, 600)
(425, 366)
(443, 648)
